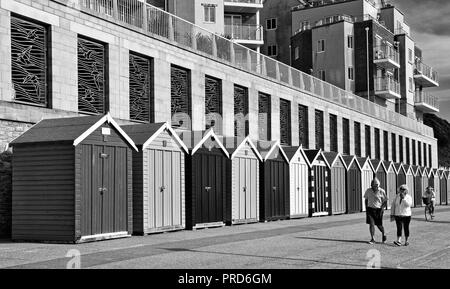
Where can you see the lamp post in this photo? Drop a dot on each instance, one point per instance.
(368, 63)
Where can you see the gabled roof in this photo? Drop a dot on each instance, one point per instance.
(312, 156)
(234, 144)
(407, 168)
(266, 148)
(349, 160)
(425, 171)
(71, 129)
(415, 170)
(194, 140)
(362, 162)
(398, 167)
(388, 165)
(332, 157)
(442, 173)
(291, 152)
(378, 164)
(144, 134)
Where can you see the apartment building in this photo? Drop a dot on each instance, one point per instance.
(238, 20)
(362, 46)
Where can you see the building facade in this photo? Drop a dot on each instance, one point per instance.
(70, 58)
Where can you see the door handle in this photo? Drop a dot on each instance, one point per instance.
(163, 188)
(102, 190)
(244, 189)
(298, 188)
(274, 189)
(208, 189)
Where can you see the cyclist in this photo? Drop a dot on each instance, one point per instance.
(431, 197)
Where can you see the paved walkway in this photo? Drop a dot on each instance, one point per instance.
(327, 242)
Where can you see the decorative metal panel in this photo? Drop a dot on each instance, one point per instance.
(368, 141)
(346, 135)
(303, 127)
(400, 145)
(394, 148)
(213, 104)
(333, 133)
(181, 97)
(386, 146)
(285, 122)
(91, 76)
(241, 125)
(357, 139)
(29, 61)
(414, 159)
(430, 157)
(264, 117)
(408, 158)
(425, 160)
(419, 150)
(377, 144)
(140, 88)
(319, 130)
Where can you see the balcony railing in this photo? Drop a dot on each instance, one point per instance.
(259, 2)
(423, 69)
(386, 52)
(244, 32)
(169, 28)
(423, 97)
(387, 84)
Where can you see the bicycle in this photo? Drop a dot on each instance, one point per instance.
(428, 209)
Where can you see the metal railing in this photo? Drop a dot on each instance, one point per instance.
(400, 31)
(244, 32)
(387, 84)
(423, 69)
(423, 97)
(386, 52)
(259, 2)
(167, 27)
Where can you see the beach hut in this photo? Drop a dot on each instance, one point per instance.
(318, 180)
(245, 160)
(417, 173)
(367, 172)
(410, 180)
(207, 175)
(391, 182)
(299, 184)
(425, 179)
(380, 173)
(354, 201)
(433, 177)
(443, 186)
(337, 182)
(274, 185)
(72, 181)
(401, 174)
(448, 186)
(158, 178)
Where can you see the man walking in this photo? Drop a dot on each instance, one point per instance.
(376, 200)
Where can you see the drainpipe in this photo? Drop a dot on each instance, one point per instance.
(368, 63)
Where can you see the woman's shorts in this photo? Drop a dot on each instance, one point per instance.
(374, 216)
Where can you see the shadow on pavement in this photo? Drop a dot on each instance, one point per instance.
(434, 221)
(333, 240)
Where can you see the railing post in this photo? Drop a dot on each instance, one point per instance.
(277, 71)
(249, 60)
(171, 28)
(144, 17)
(290, 80)
(193, 38)
(232, 53)
(214, 45)
(116, 9)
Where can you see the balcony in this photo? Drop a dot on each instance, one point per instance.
(245, 34)
(425, 102)
(386, 56)
(425, 76)
(243, 6)
(387, 88)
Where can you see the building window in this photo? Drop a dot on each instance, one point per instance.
(241, 124)
(351, 73)
(408, 159)
(92, 71)
(285, 122)
(333, 133)
(271, 24)
(411, 85)
(350, 41)
(419, 152)
(425, 160)
(386, 145)
(357, 130)
(297, 53)
(368, 142)
(321, 45)
(377, 144)
(264, 117)
(181, 97)
(141, 100)
(213, 104)
(322, 75)
(272, 50)
(210, 13)
(430, 156)
(319, 130)
(400, 146)
(29, 60)
(410, 56)
(346, 135)
(303, 127)
(394, 147)
(414, 159)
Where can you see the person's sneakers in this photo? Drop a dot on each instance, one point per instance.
(397, 243)
(371, 242)
(384, 239)
(406, 243)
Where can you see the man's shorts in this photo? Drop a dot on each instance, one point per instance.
(374, 216)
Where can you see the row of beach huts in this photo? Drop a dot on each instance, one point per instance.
(88, 179)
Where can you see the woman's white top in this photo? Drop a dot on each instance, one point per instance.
(403, 208)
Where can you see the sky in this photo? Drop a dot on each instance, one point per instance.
(430, 25)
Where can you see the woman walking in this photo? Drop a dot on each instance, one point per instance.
(401, 212)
